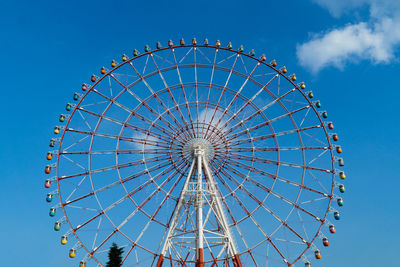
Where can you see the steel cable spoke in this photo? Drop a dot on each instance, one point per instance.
(272, 176)
(234, 98)
(184, 93)
(144, 119)
(221, 95)
(133, 127)
(247, 178)
(154, 93)
(265, 207)
(223, 159)
(171, 95)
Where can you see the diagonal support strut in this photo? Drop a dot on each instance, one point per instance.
(199, 192)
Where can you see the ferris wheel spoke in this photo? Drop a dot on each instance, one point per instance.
(125, 87)
(235, 223)
(171, 95)
(261, 172)
(109, 84)
(78, 185)
(249, 101)
(161, 118)
(289, 114)
(267, 74)
(145, 65)
(88, 221)
(157, 210)
(312, 137)
(155, 125)
(152, 134)
(291, 101)
(283, 222)
(183, 92)
(84, 119)
(78, 142)
(264, 149)
(259, 111)
(266, 208)
(153, 168)
(149, 151)
(209, 90)
(196, 88)
(81, 208)
(144, 141)
(305, 116)
(221, 95)
(140, 207)
(164, 59)
(160, 175)
(168, 194)
(267, 136)
(124, 75)
(95, 250)
(317, 157)
(234, 163)
(73, 162)
(93, 104)
(118, 166)
(302, 225)
(204, 56)
(234, 98)
(317, 180)
(97, 232)
(313, 200)
(279, 196)
(114, 101)
(97, 191)
(232, 193)
(146, 200)
(155, 94)
(121, 123)
(252, 257)
(244, 65)
(185, 56)
(226, 59)
(279, 84)
(120, 226)
(116, 203)
(262, 204)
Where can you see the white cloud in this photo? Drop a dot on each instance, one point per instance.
(374, 40)
(338, 7)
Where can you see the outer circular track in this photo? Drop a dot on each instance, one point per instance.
(213, 150)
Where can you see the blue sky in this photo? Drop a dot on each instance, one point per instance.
(49, 48)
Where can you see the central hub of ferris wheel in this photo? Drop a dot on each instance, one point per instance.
(197, 144)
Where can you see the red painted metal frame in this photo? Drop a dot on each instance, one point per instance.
(189, 134)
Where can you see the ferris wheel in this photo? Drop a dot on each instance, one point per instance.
(195, 155)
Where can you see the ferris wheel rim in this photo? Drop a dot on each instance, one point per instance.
(174, 47)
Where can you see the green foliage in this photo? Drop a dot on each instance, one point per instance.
(115, 256)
